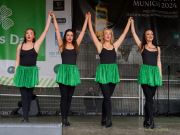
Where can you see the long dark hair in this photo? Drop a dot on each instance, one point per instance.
(143, 43)
(73, 41)
(34, 40)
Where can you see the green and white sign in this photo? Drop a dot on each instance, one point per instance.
(15, 17)
(18, 15)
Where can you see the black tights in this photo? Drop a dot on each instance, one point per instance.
(26, 97)
(107, 91)
(66, 97)
(149, 93)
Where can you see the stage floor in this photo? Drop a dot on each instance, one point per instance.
(122, 125)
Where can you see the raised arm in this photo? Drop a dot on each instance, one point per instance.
(17, 55)
(81, 35)
(135, 36)
(123, 35)
(159, 61)
(41, 38)
(58, 35)
(93, 35)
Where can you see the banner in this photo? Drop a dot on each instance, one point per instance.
(15, 18)
(162, 16)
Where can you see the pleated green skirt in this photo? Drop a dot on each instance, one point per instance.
(149, 75)
(26, 76)
(107, 73)
(68, 75)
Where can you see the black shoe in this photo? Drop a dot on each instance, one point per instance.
(25, 120)
(103, 122)
(146, 124)
(108, 123)
(65, 123)
(152, 125)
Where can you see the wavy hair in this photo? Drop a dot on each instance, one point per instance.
(74, 43)
(34, 40)
(144, 42)
(112, 36)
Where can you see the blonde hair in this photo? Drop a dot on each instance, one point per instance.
(102, 36)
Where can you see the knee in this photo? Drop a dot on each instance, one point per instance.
(107, 99)
(63, 97)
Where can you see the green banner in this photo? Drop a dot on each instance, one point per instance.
(15, 17)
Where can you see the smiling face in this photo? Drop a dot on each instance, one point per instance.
(149, 36)
(30, 35)
(107, 35)
(69, 37)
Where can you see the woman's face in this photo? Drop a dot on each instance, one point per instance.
(29, 35)
(149, 36)
(107, 35)
(69, 37)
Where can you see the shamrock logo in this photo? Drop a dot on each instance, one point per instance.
(4, 20)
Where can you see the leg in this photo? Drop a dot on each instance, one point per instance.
(69, 99)
(151, 106)
(149, 93)
(112, 88)
(103, 119)
(111, 91)
(29, 96)
(105, 88)
(146, 113)
(63, 104)
(25, 102)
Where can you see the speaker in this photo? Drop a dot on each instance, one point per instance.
(34, 108)
(30, 129)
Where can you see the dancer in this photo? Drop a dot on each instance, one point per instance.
(150, 74)
(26, 71)
(107, 74)
(68, 74)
